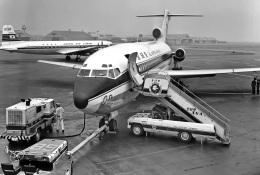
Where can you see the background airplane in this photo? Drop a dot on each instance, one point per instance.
(103, 84)
(11, 43)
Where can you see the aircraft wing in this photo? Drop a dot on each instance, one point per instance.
(69, 51)
(206, 73)
(223, 50)
(70, 65)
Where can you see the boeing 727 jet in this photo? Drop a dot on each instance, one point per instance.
(11, 43)
(103, 84)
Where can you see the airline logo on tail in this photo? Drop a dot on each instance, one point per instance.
(8, 34)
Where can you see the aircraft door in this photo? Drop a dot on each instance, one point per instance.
(133, 70)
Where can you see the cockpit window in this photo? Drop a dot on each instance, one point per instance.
(84, 72)
(117, 72)
(111, 73)
(104, 65)
(84, 65)
(99, 73)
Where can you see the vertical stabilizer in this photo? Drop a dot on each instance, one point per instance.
(166, 19)
(8, 35)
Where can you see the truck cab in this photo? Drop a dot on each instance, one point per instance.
(48, 156)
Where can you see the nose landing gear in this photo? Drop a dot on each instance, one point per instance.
(110, 122)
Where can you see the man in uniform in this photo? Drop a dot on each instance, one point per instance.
(253, 85)
(59, 112)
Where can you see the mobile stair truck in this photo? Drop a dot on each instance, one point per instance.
(202, 119)
(28, 119)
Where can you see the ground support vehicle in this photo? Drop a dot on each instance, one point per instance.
(146, 122)
(196, 113)
(28, 119)
(49, 156)
(45, 157)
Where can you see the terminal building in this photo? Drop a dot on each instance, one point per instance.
(59, 35)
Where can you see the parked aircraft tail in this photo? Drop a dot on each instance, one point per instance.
(8, 35)
(160, 33)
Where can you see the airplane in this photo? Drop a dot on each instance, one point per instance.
(103, 84)
(11, 43)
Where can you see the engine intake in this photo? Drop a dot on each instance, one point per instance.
(179, 55)
(157, 33)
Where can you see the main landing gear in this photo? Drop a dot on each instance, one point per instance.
(77, 59)
(68, 58)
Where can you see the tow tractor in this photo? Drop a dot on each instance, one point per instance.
(28, 119)
(49, 156)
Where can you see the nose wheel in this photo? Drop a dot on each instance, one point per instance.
(112, 126)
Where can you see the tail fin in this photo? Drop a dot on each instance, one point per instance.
(166, 18)
(8, 35)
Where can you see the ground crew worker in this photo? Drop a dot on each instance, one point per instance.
(59, 112)
(257, 86)
(253, 85)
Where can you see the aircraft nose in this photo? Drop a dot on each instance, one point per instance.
(86, 88)
(80, 100)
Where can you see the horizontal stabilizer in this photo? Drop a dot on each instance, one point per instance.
(70, 65)
(171, 15)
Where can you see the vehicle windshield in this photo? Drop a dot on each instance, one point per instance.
(84, 72)
(99, 73)
(110, 73)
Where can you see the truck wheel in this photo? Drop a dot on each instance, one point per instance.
(137, 129)
(185, 136)
(112, 125)
(50, 128)
(37, 136)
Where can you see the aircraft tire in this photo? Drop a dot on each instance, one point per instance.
(112, 125)
(78, 59)
(101, 122)
(137, 130)
(185, 136)
(68, 58)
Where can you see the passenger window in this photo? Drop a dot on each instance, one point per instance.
(84, 72)
(111, 73)
(117, 72)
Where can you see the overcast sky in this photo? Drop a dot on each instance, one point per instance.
(230, 20)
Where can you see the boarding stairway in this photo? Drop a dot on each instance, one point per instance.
(180, 99)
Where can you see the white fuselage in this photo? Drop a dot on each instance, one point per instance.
(50, 47)
(107, 94)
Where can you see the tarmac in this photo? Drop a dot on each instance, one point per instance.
(22, 77)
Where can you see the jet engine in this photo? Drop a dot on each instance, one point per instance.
(157, 33)
(179, 55)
